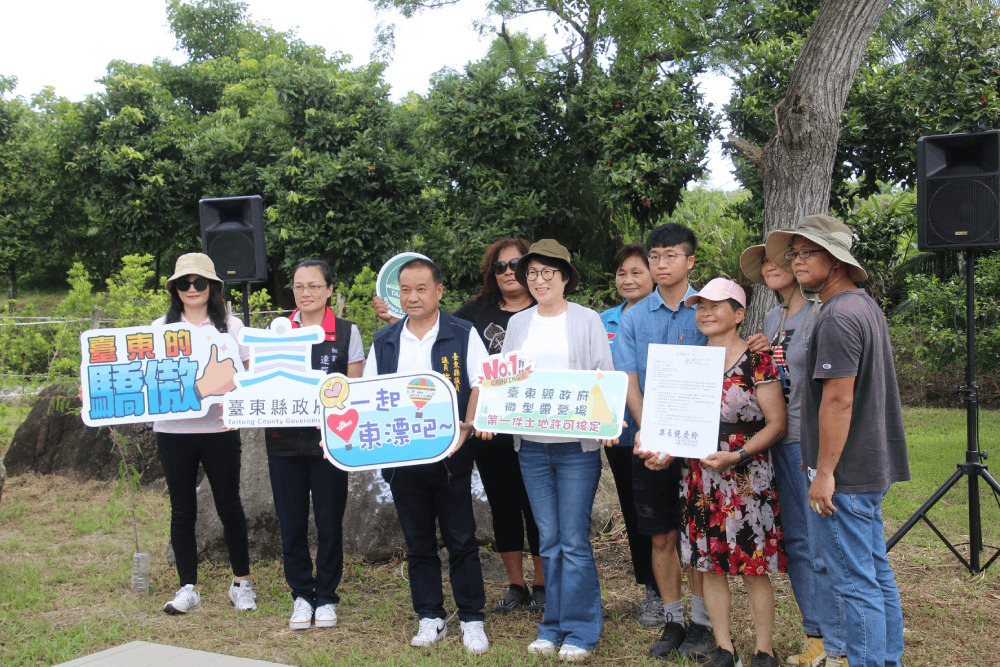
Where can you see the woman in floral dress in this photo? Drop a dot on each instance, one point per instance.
(730, 524)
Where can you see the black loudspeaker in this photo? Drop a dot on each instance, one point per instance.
(958, 191)
(232, 234)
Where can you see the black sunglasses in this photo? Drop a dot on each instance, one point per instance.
(501, 267)
(183, 284)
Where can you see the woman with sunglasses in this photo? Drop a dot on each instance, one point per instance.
(787, 329)
(500, 297)
(561, 473)
(298, 470)
(196, 298)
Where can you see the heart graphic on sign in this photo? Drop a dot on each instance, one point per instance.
(343, 425)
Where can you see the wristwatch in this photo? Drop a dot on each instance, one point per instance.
(744, 456)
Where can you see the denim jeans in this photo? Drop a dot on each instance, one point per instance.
(561, 480)
(860, 575)
(294, 480)
(423, 494)
(819, 607)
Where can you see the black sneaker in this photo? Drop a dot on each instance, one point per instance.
(669, 641)
(698, 644)
(516, 595)
(537, 602)
(761, 659)
(720, 657)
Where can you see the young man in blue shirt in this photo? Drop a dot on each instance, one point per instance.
(663, 318)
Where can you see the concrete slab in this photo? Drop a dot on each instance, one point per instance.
(148, 654)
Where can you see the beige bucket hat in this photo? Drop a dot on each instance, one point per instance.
(825, 231)
(194, 264)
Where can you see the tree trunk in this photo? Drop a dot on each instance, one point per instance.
(797, 161)
(12, 281)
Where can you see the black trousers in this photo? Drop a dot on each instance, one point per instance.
(219, 454)
(424, 494)
(294, 479)
(640, 546)
(509, 505)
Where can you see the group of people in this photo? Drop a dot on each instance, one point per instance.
(810, 439)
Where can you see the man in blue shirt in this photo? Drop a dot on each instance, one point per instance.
(663, 318)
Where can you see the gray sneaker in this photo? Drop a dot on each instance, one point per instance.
(651, 610)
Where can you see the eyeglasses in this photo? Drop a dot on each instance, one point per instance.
(802, 254)
(547, 273)
(183, 284)
(308, 289)
(501, 267)
(654, 258)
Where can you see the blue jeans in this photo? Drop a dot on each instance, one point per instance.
(860, 575)
(819, 607)
(561, 480)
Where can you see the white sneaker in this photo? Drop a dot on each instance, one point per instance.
(242, 596)
(326, 616)
(430, 631)
(474, 637)
(184, 599)
(542, 646)
(302, 615)
(570, 653)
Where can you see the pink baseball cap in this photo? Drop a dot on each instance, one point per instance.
(719, 289)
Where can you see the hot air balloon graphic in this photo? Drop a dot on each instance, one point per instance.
(420, 391)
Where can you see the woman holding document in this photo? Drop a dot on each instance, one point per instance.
(729, 524)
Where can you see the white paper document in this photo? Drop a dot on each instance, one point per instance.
(682, 400)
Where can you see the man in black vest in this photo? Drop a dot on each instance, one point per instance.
(430, 339)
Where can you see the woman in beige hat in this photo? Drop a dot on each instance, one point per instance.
(787, 329)
(561, 473)
(196, 298)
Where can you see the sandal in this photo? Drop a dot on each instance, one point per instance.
(515, 597)
(537, 599)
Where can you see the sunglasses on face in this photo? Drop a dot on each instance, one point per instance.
(183, 284)
(501, 267)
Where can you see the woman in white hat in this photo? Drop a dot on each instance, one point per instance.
(196, 298)
(787, 330)
(729, 523)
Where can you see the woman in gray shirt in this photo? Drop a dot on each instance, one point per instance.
(787, 331)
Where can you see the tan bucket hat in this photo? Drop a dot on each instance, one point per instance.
(547, 248)
(194, 264)
(825, 231)
(750, 263)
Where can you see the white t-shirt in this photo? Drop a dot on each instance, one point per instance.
(547, 347)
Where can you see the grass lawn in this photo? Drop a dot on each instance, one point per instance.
(65, 559)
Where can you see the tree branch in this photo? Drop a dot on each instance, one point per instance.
(746, 149)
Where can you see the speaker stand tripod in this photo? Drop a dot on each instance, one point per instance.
(974, 467)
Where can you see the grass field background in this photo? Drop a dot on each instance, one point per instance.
(66, 549)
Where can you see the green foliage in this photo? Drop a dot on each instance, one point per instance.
(937, 310)
(130, 299)
(358, 308)
(261, 308)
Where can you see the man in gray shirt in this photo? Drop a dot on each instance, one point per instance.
(852, 434)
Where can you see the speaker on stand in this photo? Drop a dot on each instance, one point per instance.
(958, 208)
(232, 235)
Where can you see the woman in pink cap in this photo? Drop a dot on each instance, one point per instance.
(729, 523)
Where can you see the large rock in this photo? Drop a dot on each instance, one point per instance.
(54, 440)
(371, 529)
